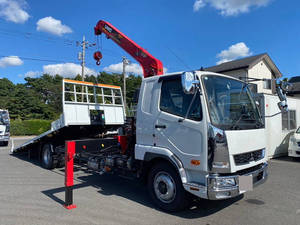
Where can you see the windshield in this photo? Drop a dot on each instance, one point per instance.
(230, 104)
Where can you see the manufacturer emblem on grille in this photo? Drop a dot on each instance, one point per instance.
(251, 157)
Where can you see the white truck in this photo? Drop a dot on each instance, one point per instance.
(4, 127)
(195, 132)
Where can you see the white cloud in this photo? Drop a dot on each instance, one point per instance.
(133, 68)
(14, 10)
(233, 52)
(198, 4)
(118, 68)
(53, 26)
(231, 7)
(66, 70)
(33, 74)
(10, 61)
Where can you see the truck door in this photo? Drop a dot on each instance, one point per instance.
(184, 137)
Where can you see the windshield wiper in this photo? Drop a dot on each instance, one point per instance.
(258, 124)
(243, 108)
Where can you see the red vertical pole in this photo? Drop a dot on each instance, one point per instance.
(69, 171)
(122, 139)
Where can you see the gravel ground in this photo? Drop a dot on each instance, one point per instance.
(31, 195)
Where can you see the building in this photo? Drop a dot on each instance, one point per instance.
(281, 126)
(258, 66)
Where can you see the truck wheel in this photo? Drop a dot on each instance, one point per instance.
(5, 143)
(165, 188)
(47, 157)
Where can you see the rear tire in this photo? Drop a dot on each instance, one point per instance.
(165, 188)
(47, 157)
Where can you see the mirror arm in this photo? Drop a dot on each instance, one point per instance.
(272, 115)
(190, 106)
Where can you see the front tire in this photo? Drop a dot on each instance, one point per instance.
(47, 157)
(5, 143)
(165, 188)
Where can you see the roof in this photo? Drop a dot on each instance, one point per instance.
(295, 89)
(245, 63)
(294, 79)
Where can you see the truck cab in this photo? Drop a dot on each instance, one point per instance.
(4, 127)
(213, 136)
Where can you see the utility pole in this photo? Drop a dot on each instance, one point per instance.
(81, 56)
(125, 63)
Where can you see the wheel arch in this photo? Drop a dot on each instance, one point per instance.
(151, 159)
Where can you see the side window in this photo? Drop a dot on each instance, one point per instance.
(289, 120)
(267, 84)
(174, 101)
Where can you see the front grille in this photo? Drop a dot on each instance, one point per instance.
(245, 158)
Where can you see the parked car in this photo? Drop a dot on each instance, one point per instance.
(4, 127)
(294, 144)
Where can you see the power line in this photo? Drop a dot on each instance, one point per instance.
(30, 35)
(34, 59)
(179, 59)
(67, 42)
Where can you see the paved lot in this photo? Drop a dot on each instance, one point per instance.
(32, 195)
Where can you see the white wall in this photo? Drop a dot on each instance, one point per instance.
(277, 139)
(260, 70)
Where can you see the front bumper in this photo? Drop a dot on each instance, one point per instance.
(256, 177)
(294, 147)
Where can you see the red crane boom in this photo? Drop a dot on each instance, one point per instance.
(151, 66)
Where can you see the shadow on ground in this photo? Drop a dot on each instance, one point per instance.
(108, 184)
(136, 191)
(287, 159)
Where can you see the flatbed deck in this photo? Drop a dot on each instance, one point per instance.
(88, 109)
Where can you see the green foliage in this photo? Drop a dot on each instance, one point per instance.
(29, 127)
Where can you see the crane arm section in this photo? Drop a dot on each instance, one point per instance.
(151, 66)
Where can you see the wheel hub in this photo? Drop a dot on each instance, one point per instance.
(164, 187)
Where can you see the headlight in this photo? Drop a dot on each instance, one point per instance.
(263, 153)
(219, 183)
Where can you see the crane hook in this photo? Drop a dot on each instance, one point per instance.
(98, 57)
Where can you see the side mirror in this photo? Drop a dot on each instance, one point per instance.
(286, 86)
(281, 89)
(189, 82)
(283, 106)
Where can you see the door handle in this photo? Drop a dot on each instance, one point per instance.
(160, 126)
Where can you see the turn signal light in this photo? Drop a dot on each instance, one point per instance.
(195, 162)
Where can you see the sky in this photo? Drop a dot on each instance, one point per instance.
(41, 36)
